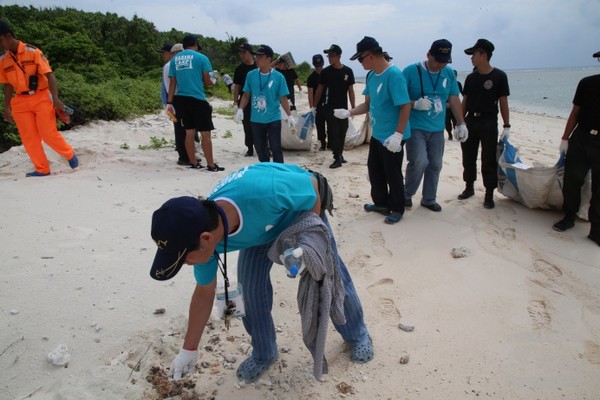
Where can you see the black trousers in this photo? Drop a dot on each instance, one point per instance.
(320, 119)
(385, 174)
(482, 130)
(336, 131)
(180, 141)
(583, 154)
(248, 139)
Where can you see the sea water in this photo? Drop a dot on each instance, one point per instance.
(543, 91)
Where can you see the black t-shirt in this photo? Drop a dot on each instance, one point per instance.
(587, 96)
(483, 91)
(313, 82)
(290, 76)
(336, 82)
(239, 76)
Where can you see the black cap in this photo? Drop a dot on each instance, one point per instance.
(263, 49)
(165, 48)
(482, 44)
(334, 48)
(596, 54)
(4, 28)
(387, 56)
(317, 60)
(441, 50)
(245, 47)
(367, 43)
(176, 229)
(189, 41)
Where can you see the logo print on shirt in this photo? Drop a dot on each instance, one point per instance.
(268, 228)
(184, 62)
(379, 87)
(488, 84)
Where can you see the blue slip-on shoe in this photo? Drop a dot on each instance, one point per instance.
(35, 174)
(362, 352)
(250, 369)
(369, 207)
(393, 217)
(74, 162)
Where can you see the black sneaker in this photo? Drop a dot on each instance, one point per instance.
(343, 160)
(215, 168)
(408, 203)
(249, 153)
(564, 224)
(468, 192)
(488, 201)
(196, 166)
(336, 164)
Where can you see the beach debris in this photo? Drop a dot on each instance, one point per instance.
(166, 388)
(14, 312)
(353, 195)
(404, 359)
(160, 311)
(60, 356)
(345, 388)
(406, 328)
(460, 252)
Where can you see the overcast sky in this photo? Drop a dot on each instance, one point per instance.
(527, 33)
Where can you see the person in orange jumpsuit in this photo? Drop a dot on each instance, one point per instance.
(30, 100)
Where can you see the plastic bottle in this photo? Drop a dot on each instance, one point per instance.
(65, 115)
(292, 258)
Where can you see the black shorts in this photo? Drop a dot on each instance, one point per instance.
(194, 113)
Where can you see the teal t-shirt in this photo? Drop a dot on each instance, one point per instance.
(387, 92)
(188, 68)
(265, 91)
(438, 87)
(268, 197)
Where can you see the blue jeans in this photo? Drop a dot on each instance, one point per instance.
(254, 274)
(424, 153)
(271, 133)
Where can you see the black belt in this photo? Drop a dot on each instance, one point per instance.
(28, 93)
(481, 114)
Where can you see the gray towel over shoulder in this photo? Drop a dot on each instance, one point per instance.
(320, 291)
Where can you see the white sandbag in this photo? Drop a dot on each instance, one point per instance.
(354, 137)
(534, 186)
(290, 139)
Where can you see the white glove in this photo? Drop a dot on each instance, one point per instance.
(291, 121)
(422, 104)
(461, 132)
(171, 109)
(313, 111)
(564, 146)
(239, 116)
(184, 363)
(505, 134)
(235, 108)
(341, 113)
(394, 142)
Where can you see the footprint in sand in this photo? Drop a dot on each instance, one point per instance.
(538, 312)
(509, 234)
(546, 268)
(592, 352)
(387, 307)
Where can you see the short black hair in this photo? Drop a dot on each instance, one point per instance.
(213, 214)
(5, 28)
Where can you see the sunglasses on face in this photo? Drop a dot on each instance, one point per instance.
(362, 57)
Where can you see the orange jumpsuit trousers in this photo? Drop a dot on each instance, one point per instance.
(36, 121)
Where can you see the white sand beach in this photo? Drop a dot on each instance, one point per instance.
(517, 318)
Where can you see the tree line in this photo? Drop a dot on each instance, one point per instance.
(107, 66)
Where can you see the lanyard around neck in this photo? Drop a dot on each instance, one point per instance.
(431, 79)
(223, 264)
(260, 85)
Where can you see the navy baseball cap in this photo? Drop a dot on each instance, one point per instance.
(596, 54)
(165, 48)
(334, 48)
(367, 43)
(441, 50)
(176, 229)
(317, 60)
(263, 49)
(190, 40)
(481, 44)
(245, 47)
